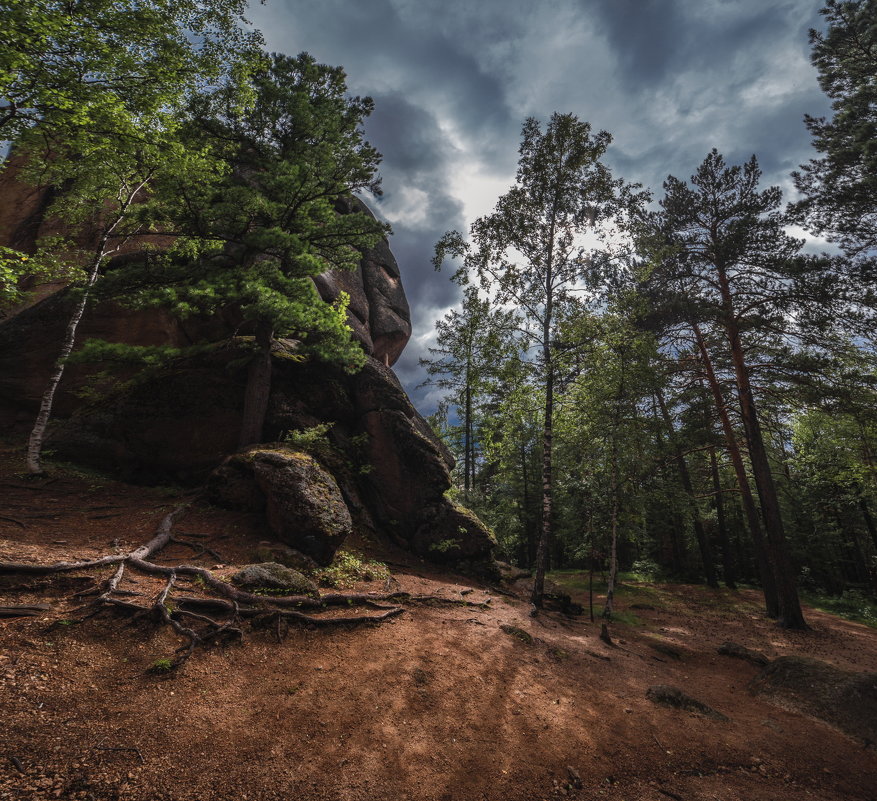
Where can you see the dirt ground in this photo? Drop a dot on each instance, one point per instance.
(439, 704)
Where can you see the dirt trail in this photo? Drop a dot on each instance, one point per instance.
(435, 705)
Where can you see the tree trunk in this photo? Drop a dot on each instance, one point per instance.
(703, 542)
(38, 433)
(532, 540)
(548, 422)
(467, 437)
(765, 571)
(258, 388)
(791, 616)
(613, 547)
(591, 586)
(860, 559)
(869, 521)
(728, 565)
(547, 433)
(677, 541)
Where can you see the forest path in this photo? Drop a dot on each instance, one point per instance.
(437, 704)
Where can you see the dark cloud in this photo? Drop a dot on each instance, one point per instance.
(453, 80)
(655, 39)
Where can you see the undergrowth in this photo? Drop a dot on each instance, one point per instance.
(851, 605)
(347, 568)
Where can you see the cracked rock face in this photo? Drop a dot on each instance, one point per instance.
(378, 312)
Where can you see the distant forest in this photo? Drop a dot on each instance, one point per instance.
(695, 397)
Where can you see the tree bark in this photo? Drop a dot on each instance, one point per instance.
(532, 540)
(547, 435)
(38, 433)
(467, 437)
(258, 388)
(768, 583)
(791, 616)
(548, 421)
(869, 521)
(613, 545)
(127, 196)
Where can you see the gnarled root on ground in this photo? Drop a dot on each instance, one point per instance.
(217, 615)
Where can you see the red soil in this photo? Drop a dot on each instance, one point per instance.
(439, 703)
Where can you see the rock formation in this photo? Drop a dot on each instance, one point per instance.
(382, 469)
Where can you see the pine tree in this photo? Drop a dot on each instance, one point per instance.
(252, 240)
(840, 187)
(470, 345)
(723, 248)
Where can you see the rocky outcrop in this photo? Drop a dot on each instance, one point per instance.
(379, 457)
(383, 470)
(378, 312)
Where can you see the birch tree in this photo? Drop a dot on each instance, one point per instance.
(528, 253)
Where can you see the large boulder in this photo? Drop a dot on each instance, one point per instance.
(303, 505)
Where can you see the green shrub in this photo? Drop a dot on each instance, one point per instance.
(645, 570)
(313, 440)
(347, 568)
(851, 604)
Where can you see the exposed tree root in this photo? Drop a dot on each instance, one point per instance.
(28, 610)
(216, 616)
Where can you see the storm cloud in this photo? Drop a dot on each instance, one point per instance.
(454, 80)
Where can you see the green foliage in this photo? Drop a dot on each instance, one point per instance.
(348, 567)
(444, 546)
(645, 570)
(840, 187)
(99, 65)
(628, 618)
(851, 604)
(360, 455)
(472, 344)
(311, 440)
(530, 254)
(254, 237)
(161, 666)
(315, 441)
(95, 351)
(47, 264)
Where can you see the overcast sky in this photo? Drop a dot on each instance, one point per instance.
(453, 80)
